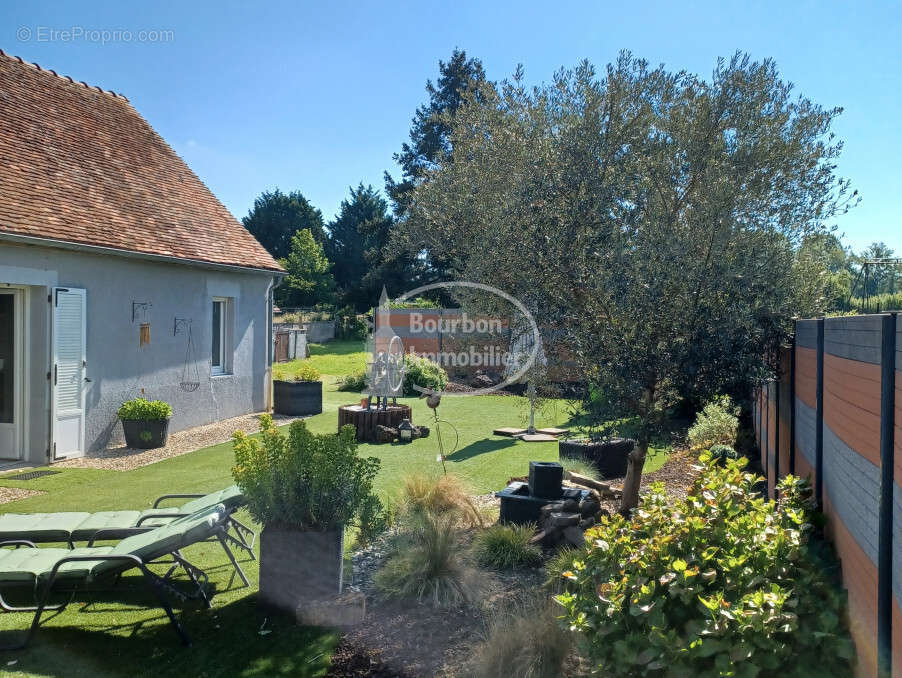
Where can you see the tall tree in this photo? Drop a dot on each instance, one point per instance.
(881, 278)
(650, 218)
(277, 216)
(356, 245)
(430, 131)
(309, 280)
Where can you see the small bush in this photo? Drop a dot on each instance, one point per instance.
(557, 565)
(527, 642)
(305, 480)
(581, 466)
(427, 565)
(424, 373)
(354, 382)
(720, 453)
(721, 583)
(505, 547)
(442, 496)
(141, 409)
(716, 423)
(295, 371)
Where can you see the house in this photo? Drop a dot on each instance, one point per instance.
(121, 274)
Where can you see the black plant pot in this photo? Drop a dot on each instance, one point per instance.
(610, 457)
(145, 434)
(299, 566)
(298, 398)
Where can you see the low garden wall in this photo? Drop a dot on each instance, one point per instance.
(835, 416)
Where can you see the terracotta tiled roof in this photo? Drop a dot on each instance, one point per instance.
(79, 164)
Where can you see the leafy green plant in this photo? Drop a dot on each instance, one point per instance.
(306, 372)
(505, 547)
(717, 423)
(428, 565)
(355, 382)
(526, 641)
(296, 371)
(557, 565)
(305, 480)
(141, 409)
(720, 453)
(424, 373)
(721, 583)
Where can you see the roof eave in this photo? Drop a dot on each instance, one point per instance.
(133, 254)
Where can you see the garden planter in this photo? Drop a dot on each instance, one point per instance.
(146, 434)
(298, 398)
(610, 457)
(299, 566)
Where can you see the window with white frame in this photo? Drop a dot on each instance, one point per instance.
(221, 350)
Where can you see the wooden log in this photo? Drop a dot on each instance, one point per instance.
(366, 420)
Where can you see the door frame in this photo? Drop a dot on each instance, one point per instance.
(22, 353)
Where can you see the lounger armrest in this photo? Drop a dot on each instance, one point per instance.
(160, 515)
(156, 504)
(116, 533)
(18, 542)
(122, 557)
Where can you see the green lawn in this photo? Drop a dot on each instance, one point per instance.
(333, 360)
(117, 636)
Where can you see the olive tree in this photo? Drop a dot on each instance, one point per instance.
(648, 218)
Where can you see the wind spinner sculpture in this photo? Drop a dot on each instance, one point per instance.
(385, 373)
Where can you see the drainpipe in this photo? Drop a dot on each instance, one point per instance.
(270, 303)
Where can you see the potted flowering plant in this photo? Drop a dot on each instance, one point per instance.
(305, 489)
(145, 422)
(300, 393)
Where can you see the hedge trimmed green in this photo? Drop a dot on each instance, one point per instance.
(141, 409)
(424, 373)
(722, 583)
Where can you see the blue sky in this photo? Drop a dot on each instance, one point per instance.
(317, 96)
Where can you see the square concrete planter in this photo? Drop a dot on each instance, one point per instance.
(298, 566)
(298, 398)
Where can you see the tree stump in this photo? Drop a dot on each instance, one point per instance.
(366, 420)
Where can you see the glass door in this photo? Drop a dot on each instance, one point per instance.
(10, 377)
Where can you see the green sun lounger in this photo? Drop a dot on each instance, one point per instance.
(72, 527)
(59, 570)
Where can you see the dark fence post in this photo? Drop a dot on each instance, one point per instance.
(777, 383)
(819, 418)
(887, 468)
(792, 402)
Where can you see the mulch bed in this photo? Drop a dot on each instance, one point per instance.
(408, 639)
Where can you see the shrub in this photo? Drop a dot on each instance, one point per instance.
(140, 409)
(720, 583)
(424, 373)
(716, 423)
(442, 496)
(295, 371)
(304, 480)
(505, 547)
(720, 453)
(557, 565)
(356, 382)
(527, 641)
(427, 565)
(581, 466)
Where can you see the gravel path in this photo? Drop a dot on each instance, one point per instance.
(8, 494)
(126, 459)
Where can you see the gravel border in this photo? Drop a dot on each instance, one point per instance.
(123, 458)
(8, 494)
